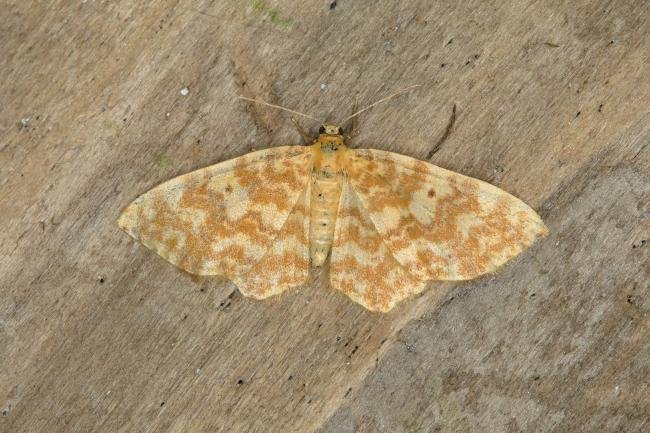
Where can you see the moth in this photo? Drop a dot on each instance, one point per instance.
(387, 222)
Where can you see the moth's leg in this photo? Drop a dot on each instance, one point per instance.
(353, 121)
(306, 139)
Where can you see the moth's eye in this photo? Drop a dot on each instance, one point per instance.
(321, 130)
(340, 131)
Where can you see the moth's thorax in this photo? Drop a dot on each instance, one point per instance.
(329, 153)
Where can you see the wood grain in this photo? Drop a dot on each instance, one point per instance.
(99, 334)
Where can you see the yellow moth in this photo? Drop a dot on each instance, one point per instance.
(388, 223)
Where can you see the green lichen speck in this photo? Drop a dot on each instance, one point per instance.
(273, 13)
(111, 125)
(162, 160)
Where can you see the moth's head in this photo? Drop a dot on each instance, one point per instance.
(328, 129)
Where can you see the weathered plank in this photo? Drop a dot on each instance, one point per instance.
(99, 334)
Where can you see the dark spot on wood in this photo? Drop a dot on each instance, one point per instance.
(431, 193)
(290, 377)
(101, 279)
(333, 5)
(578, 114)
(445, 135)
(536, 377)
(226, 303)
(228, 188)
(442, 65)
(450, 41)
(347, 392)
(162, 404)
(630, 299)
(600, 108)
(640, 244)
(551, 44)
(240, 382)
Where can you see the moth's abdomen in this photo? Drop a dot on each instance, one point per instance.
(325, 196)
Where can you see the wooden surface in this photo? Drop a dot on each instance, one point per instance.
(98, 334)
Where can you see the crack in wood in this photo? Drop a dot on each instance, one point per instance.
(445, 136)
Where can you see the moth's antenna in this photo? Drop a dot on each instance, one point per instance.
(258, 101)
(407, 89)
